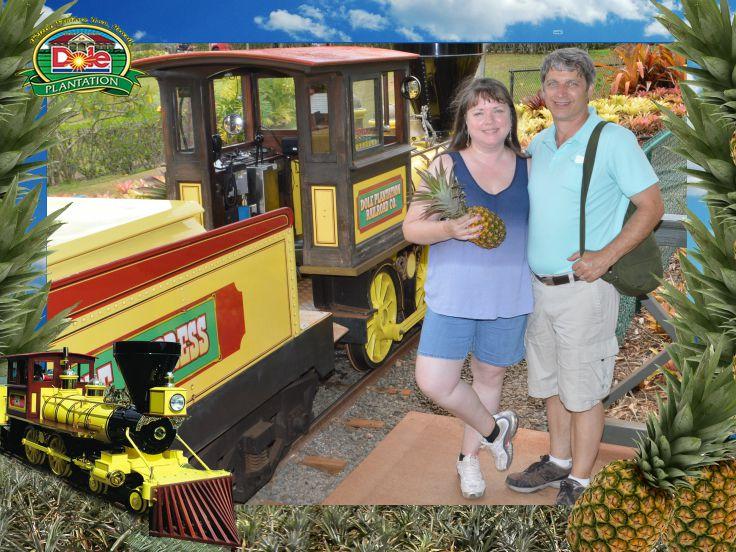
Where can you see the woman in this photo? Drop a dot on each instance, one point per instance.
(477, 299)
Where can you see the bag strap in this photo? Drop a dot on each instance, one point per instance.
(588, 163)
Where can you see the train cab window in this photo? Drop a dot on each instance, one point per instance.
(43, 370)
(80, 368)
(228, 100)
(3, 370)
(277, 103)
(17, 371)
(319, 118)
(389, 96)
(184, 120)
(365, 110)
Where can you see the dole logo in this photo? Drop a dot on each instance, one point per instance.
(63, 60)
(81, 58)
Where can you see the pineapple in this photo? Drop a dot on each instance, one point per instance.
(445, 197)
(704, 514)
(732, 144)
(629, 503)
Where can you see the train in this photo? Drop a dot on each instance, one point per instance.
(288, 173)
(54, 411)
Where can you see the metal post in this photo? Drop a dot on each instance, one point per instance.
(511, 85)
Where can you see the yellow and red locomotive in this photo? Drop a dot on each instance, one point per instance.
(53, 410)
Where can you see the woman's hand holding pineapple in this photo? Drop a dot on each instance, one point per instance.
(468, 227)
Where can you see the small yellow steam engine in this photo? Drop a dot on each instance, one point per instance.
(51, 411)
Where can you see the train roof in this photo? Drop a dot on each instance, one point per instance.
(52, 354)
(303, 58)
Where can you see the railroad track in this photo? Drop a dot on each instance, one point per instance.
(347, 398)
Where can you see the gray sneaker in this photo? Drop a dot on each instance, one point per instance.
(539, 475)
(502, 448)
(569, 492)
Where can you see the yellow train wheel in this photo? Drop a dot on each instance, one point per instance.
(96, 486)
(136, 502)
(34, 455)
(421, 276)
(381, 327)
(61, 467)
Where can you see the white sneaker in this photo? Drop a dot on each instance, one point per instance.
(502, 448)
(472, 484)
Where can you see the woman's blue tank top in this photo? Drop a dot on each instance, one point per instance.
(467, 281)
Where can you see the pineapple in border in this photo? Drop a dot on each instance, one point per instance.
(23, 133)
(704, 513)
(629, 503)
(444, 196)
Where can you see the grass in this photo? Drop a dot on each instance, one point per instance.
(498, 65)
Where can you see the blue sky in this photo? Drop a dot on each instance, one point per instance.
(381, 20)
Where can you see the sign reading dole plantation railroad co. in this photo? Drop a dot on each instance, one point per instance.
(378, 203)
(81, 58)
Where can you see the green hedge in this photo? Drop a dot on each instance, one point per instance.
(114, 148)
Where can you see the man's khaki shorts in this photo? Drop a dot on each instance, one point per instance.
(571, 342)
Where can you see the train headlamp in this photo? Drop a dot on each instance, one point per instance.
(177, 402)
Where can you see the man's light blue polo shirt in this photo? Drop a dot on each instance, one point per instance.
(621, 170)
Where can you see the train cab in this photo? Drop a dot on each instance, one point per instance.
(28, 374)
(323, 130)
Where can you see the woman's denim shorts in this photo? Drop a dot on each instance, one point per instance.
(499, 342)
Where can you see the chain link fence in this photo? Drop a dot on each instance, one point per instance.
(525, 83)
(669, 167)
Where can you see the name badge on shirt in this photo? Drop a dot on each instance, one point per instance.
(579, 159)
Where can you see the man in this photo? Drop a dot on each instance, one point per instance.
(570, 341)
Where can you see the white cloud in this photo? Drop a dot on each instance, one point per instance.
(410, 34)
(311, 12)
(45, 12)
(655, 28)
(139, 34)
(361, 19)
(299, 27)
(485, 21)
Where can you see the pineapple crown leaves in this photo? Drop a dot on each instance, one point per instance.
(703, 138)
(22, 303)
(441, 195)
(29, 334)
(690, 433)
(18, 21)
(22, 132)
(708, 39)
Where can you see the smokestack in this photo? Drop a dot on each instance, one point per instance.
(144, 364)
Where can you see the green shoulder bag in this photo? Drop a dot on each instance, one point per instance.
(638, 272)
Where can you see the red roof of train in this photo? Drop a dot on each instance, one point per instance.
(304, 57)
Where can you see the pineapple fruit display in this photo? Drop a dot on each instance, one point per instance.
(704, 511)
(443, 196)
(665, 492)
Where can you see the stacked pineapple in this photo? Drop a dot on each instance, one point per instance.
(443, 196)
(629, 503)
(682, 485)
